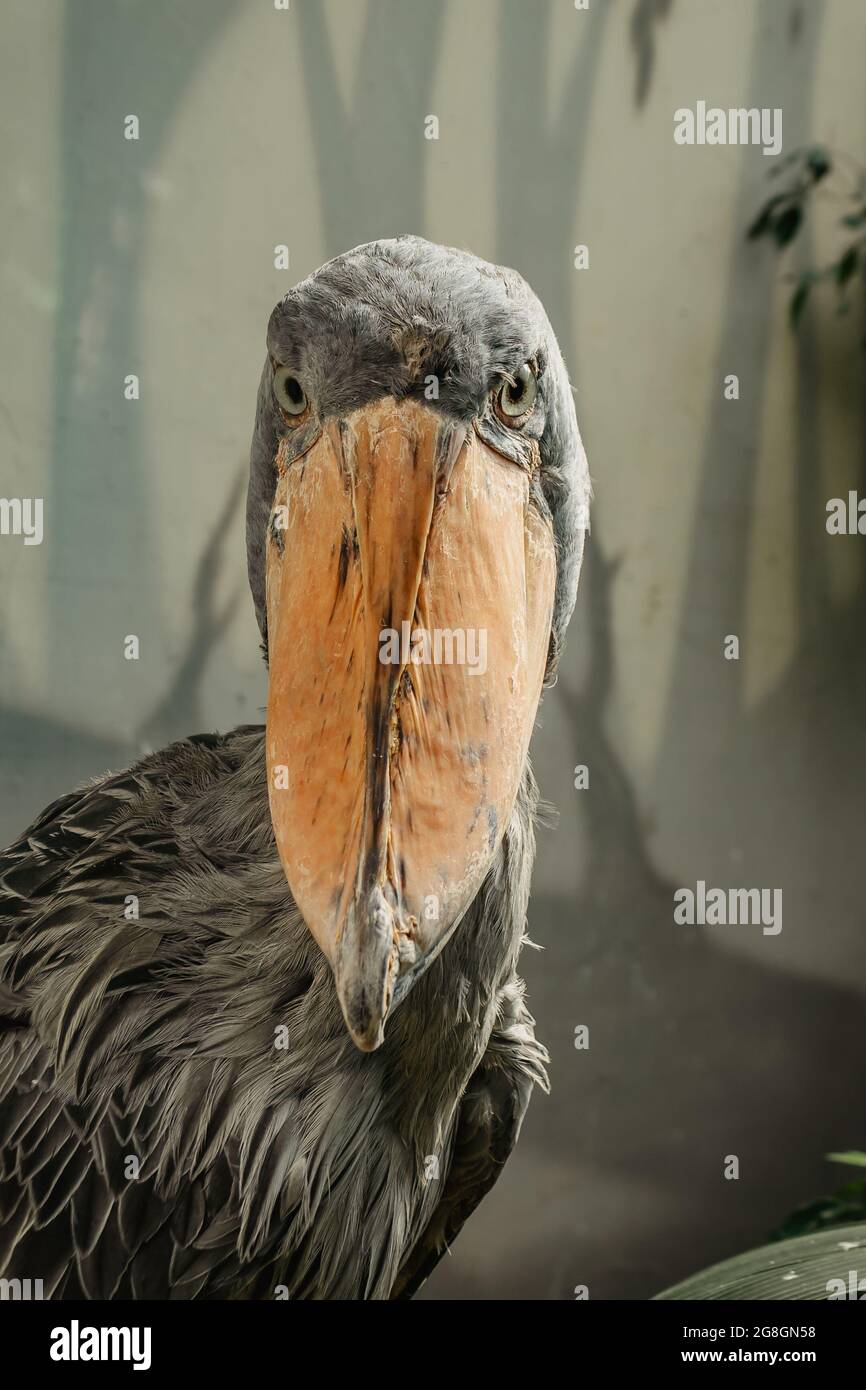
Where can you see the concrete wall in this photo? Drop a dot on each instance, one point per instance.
(556, 128)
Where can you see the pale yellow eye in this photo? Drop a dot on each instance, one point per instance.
(516, 398)
(289, 392)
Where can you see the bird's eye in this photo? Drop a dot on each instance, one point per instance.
(516, 398)
(289, 392)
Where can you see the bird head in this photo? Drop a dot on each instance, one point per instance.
(415, 519)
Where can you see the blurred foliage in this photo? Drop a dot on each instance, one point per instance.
(807, 173)
(839, 1209)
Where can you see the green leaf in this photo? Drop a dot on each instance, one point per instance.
(818, 163)
(798, 1269)
(764, 220)
(787, 225)
(840, 1209)
(798, 299)
(852, 1157)
(847, 265)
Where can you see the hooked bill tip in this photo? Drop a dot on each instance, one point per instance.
(366, 967)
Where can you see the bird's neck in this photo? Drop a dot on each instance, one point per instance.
(444, 1025)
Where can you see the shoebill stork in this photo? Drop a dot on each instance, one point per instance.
(262, 1029)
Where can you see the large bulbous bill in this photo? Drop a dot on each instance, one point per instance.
(410, 584)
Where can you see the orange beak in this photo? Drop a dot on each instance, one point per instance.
(410, 588)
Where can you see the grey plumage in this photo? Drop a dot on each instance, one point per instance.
(308, 1167)
(155, 1039)
(381, 320)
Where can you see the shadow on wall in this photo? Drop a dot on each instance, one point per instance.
(102, 235)
(695, 1053)
(43, 759)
